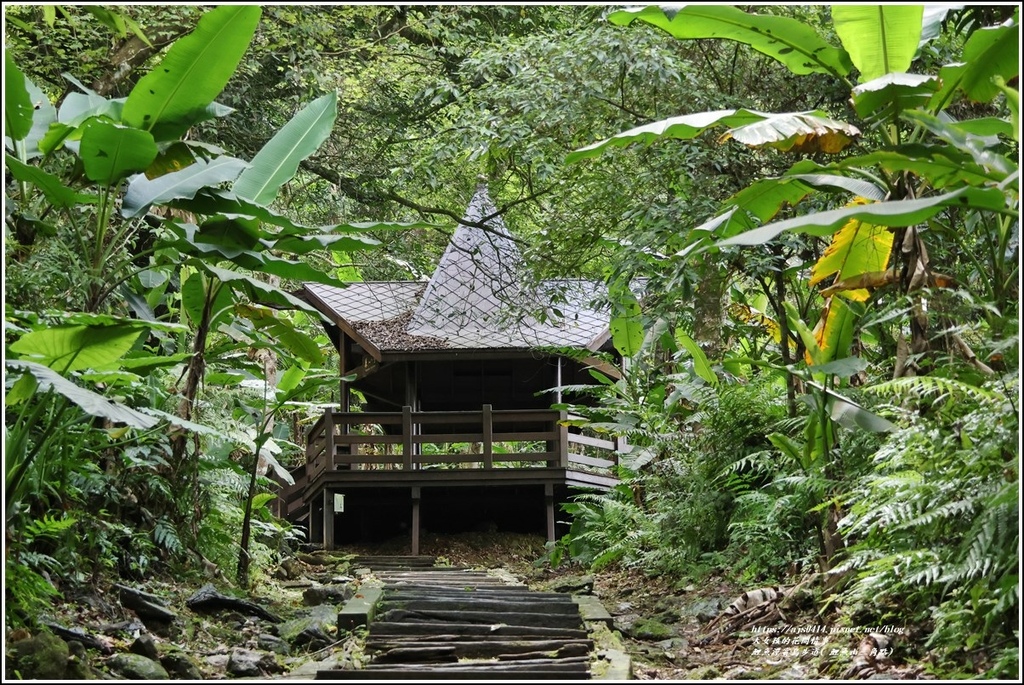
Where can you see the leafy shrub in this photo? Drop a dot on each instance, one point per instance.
(934, 528)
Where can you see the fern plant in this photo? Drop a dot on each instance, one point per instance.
(934, 527)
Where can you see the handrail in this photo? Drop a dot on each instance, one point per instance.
(525, 438)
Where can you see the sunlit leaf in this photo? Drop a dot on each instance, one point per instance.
(70, 348)
(788, 40)
(881, 39)
(194, 70)
(834, 332)
(856, 248)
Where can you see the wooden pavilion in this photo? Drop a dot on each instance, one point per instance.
(457, 377)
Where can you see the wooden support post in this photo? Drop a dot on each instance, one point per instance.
(407, 437)
(343, 398)
(549, 507)
(415, 547)
(328, 519)
(311, 520)
(558, 381)
(488, 446)
(563, 439)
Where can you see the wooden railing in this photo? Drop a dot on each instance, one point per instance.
(486, 439)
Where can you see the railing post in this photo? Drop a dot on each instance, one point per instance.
(563, 439)
(407, 437)
(329, 439)
(488, 429)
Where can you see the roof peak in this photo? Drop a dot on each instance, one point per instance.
(478, 275)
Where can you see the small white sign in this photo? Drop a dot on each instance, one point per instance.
(339, 503)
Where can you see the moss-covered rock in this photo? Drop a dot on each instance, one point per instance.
(651, 629)
(709, 672)
(40, 657)
(137, 667)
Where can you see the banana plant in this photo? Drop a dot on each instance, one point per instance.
(928, 168)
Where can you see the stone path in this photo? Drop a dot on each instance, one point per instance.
(433, 623)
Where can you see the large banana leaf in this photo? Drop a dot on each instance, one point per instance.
(989, 52)
(892, 214)
(17, 103)
(787, 40)
(995, 164)
(796, 132)
(90, 402)
(283, 332)
(44, 115)
(110, 152)
(881, 39)
(143, 192)
(278, 160)
(193, 72)
(942, 165)
(53, 189)
(255, 290)
(685, 127)
(883, 98)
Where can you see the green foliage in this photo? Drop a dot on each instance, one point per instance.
(935, 525)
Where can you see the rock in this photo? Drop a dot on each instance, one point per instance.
(667, 609)
(41, 657)
(179, 663)
(218, 662)
(651, 629)
(145, 645)
(310, 631)
(623, 607)
(137, 667)
(323, 594)
(624, 623)
(582, 585)
(78, 666)
(706, 608)
(709, 672)
(274, 644)
(248, 663)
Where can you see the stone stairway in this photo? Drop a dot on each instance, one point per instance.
(437, 623)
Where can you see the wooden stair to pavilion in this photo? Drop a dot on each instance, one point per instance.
(460, 624)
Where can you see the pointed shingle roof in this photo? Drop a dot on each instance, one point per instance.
(479, 297)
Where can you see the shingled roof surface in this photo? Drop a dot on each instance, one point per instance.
(477, 298)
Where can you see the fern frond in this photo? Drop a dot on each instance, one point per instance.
(934, 387)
